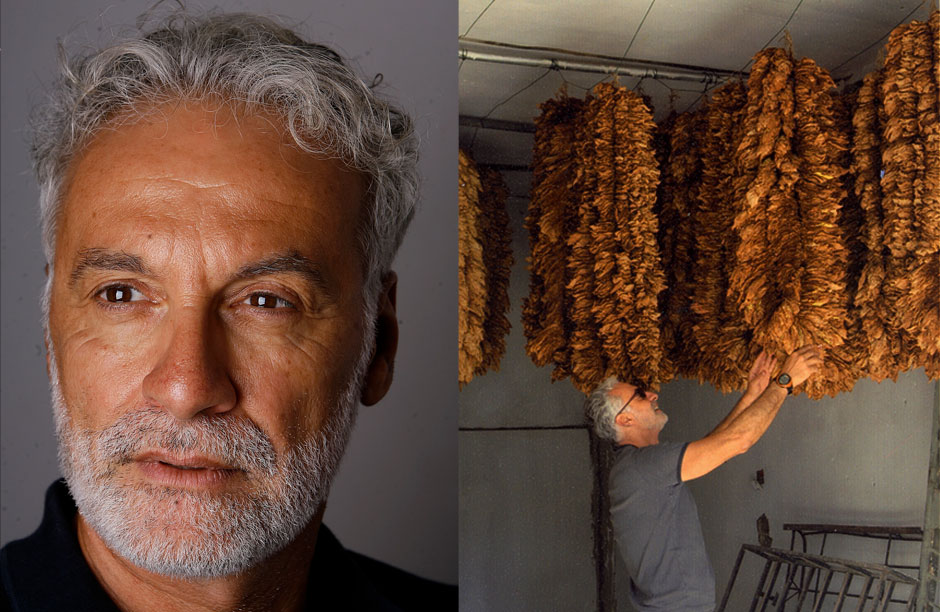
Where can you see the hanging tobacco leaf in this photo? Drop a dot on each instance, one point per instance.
(471, 272)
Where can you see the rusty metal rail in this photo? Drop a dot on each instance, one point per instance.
(876, 583)
(889, 534)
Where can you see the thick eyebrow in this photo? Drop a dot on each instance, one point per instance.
(291, 262)
(104, 259)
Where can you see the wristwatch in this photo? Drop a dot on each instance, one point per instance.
(785, 381)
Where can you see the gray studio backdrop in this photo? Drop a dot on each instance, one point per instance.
(395, 497)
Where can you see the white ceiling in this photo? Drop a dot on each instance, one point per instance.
(720, 34)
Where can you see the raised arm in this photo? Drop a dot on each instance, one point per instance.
(739, 432)
(757, 380)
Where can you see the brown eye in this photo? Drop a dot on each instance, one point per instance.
(267, 300)
(121, 293)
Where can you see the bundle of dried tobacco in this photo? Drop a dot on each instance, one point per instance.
(911, 191)
(471, 273)
(497, 261)
(484, 262)
(551, 218)
(678, 193)
(595, 269)
(719, 326)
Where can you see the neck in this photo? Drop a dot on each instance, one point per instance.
(639, 439)
(277, 584)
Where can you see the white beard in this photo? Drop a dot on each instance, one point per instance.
(192, 534)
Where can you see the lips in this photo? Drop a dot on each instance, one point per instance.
(183, 471)
(183, 462)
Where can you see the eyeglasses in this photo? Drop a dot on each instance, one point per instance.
(639, 391)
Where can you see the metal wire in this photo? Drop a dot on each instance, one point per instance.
(478, 17)
(638, 28)
(490, 112)
(906, 17)
(744, 67)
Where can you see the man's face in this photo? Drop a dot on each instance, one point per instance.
(207, 323)
(644, 406)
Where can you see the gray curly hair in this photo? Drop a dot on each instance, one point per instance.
(601, 407)
(255, 63)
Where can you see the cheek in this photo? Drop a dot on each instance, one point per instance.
(289, 384)
(99, 380)
(100, 366)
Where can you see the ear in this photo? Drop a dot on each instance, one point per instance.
(378, 376)
(624, 419)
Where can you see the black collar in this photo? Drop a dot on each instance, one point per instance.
(47, 571)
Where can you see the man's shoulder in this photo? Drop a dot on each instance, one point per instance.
(404, 589)
(657, 464)
(655, 453)
(373, 585)
(46, 570)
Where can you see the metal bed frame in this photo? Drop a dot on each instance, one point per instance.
(815, 580)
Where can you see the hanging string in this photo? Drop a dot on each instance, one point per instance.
(566, 82)
(708, 79)
(673, 98)
(774, 37)
(906, 17)
(740, 72)
(490, 112)
(542, 76)
(671, 90)
(642, 21)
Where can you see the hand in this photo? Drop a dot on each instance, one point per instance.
(803, 363)
(759, 376)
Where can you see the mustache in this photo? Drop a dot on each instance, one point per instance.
(233, 441)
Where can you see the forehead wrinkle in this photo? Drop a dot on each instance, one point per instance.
(245, 202)
(169, 177)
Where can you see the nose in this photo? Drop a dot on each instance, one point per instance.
(190, 376)
(652, 396)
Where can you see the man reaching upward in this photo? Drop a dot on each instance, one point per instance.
(652, 511)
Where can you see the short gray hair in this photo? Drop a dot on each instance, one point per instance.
(255, 63)
(601, 407)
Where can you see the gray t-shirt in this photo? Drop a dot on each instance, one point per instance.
(657, 528)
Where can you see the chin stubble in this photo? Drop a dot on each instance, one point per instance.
(192, 534)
